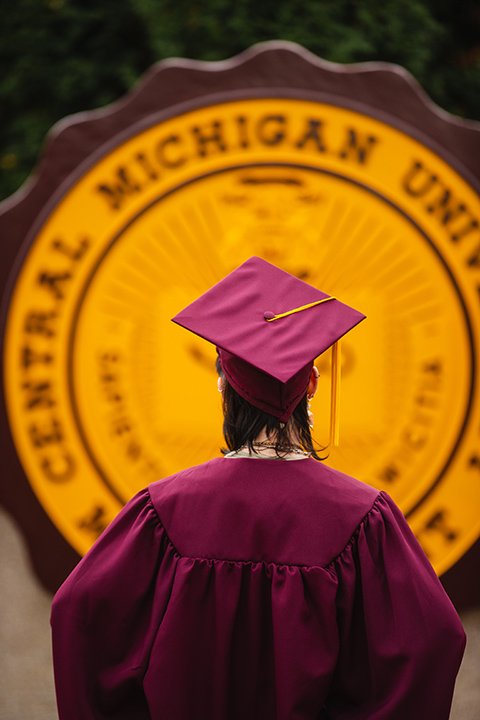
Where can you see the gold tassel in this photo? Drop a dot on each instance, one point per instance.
(335, 395)
(271, 316)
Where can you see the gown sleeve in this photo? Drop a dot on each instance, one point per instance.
(105, 614)
(401, 641)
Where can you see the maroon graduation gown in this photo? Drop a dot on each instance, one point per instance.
(251, 589)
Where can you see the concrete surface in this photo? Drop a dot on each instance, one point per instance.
(26, 681)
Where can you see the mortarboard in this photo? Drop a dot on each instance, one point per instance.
(268, 327)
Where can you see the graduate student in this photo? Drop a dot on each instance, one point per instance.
(261, 585)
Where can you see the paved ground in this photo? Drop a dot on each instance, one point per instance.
(26, 683)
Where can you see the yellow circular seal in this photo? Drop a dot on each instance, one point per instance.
(105, 395)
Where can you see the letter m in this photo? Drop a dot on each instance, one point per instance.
(117, 191)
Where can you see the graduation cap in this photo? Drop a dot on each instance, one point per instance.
(268, 327)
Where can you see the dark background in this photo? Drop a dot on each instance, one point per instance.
(59, 57)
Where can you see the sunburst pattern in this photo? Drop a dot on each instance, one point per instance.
(339, 243)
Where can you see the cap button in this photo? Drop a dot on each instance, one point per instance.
(268, 315)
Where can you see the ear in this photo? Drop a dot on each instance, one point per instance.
(220, 384)
(313, 382)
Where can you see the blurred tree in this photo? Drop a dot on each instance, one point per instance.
(64, 56)
(60, 57)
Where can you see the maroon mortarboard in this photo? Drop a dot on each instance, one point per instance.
(268, 327)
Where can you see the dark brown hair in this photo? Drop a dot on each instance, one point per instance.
(243, 423)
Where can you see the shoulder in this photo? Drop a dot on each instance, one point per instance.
(185, 482)
(340, 504)
(298, 512)
(313, 476)
(353, 494)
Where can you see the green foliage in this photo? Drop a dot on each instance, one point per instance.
(64, 56)
(58, 58)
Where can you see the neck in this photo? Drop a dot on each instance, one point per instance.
(268, 450)
(265, 446)
(262, 437)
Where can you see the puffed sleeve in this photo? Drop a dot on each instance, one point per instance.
(105, 614)
(401, 640)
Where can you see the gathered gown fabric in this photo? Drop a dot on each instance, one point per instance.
(252, 589)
